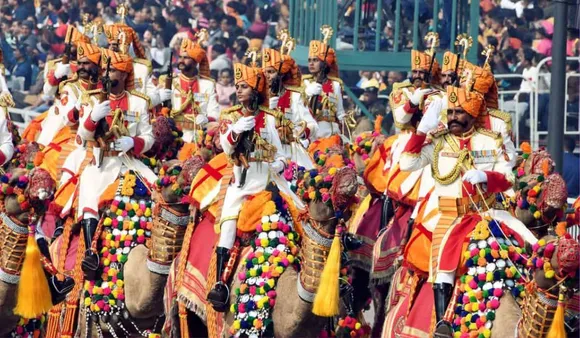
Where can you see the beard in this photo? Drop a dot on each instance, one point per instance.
(114, 83)
(184, 68)
(88, 74)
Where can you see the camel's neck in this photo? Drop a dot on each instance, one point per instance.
(538, 312)
(315, 248)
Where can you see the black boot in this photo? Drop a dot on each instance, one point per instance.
(219, 295)
(91, 261)
(59, 289)
(442, 292)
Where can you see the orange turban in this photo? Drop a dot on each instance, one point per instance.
(115, 33)
(318, 49)
(471, 102)
(484, 83)
(75, 36)
(450, 61)
(90, 51)
(252, 76)
(120, 62)
(197, 53)
(284, 63)
(422, 61)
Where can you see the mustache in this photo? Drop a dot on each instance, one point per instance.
(462, 124)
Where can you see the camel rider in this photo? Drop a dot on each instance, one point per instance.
(118, 155)
(284, 83)
(469, 166)
(46, 126)
(324, 85)
(249, 119)
(120, 37)
(193, 95)
(56, 70)
(61, 143)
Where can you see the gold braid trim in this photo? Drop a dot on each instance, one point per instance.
(13, 239)
(505, 117)
(456, 171)
(166, 237)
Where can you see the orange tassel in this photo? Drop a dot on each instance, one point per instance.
(33, 292)
(558, 330)
(378, 123)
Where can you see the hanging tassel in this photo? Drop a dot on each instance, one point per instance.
(378, 123)
(326, 300)
(33, 292)
(558, 330)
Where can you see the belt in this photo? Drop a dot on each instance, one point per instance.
(327, 119)
(464, 205)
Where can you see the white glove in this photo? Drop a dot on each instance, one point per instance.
(277, 166)
(475, 176)
(430, 120)
(201, 120)
(62, 70)
(101, 110)
(418, 96)
(274, 102)
(124, 144)
(78, 104)
(244, 124)
(313, 88)
(305, 143)
(164, 94)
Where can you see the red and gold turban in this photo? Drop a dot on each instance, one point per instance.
(120, 62)
(90, 51)
(284, 63)
(115, 33)
(484, 83)
(449, 62)
(471, 102)
(197, 53)
(318, 49)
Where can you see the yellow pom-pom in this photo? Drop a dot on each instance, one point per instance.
(290, 259)
(108, 221)
(148, 212)
(537, 214)
(542, 242)
(153, 161)
(311, 195)
(236, 324)
(120, 283)
(332, 171)
(261, 259)
(357, 326)
(487, 333)
(266, 226)
(550, 274)
(106, 262)
(87, 301)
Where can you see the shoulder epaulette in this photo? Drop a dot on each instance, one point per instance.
(232, 109)
(50, 65)
(206, 78)
(439, 133)
(502, 115)
(307, 77)
(276, 113)
(296, 89)
(399, 85)
(65, 82)
(228, 113)
(337, 79)
(143, 96)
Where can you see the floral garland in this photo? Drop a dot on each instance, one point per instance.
(168, 177)
(7, 189)
(490, 259)
(274, 250)
(542, 253)
(127, 223)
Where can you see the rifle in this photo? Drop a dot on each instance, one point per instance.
(102, 127)
(456, 82)
(169, 80)
(245, 145)
(67, 46)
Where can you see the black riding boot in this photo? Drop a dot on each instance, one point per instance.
(58, 289)
(442, 292)
(91, 261)
(218, 296)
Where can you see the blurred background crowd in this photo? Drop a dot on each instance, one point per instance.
(33, 32)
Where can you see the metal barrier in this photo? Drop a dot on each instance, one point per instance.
(514, 103)
(21, 117)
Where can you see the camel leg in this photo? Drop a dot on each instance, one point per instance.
(7, 303)
(507, 317)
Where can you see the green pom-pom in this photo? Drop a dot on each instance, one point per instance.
(541, 178)
(525, 156)
(533, 208)
(491, 315)
(123, 259)
(523, 185)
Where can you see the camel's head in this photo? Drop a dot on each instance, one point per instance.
(175, 179)
(167, 139)
(24, 192)
(209, 141)
(541, 195)
(555, 259)
(363, 148)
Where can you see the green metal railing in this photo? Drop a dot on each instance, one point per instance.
(307, 16)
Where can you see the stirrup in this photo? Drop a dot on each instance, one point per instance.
(443, 329)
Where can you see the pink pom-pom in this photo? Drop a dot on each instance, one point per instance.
(259, 228)
(113, 258)
(141, 239)
(283, 240)
(121, 296)
(258, 242)
(539, 263)
(494, 245)
(474, 252)
(107, 291)
(271, 294)
(535, 247)
(498, 292)
(252, 290)
(481, 277)
(472, 284)
(285, 262)
(549, 250)
(107, 308)
(481, 306)
(241, 308)
(124, 213)
(494, 304)
(101, 303)
(242, 276)
(115, 222)
(457, 321)
(127, 243)
(276, 252)
(479, 323)
(465, 299)
(272, 302)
